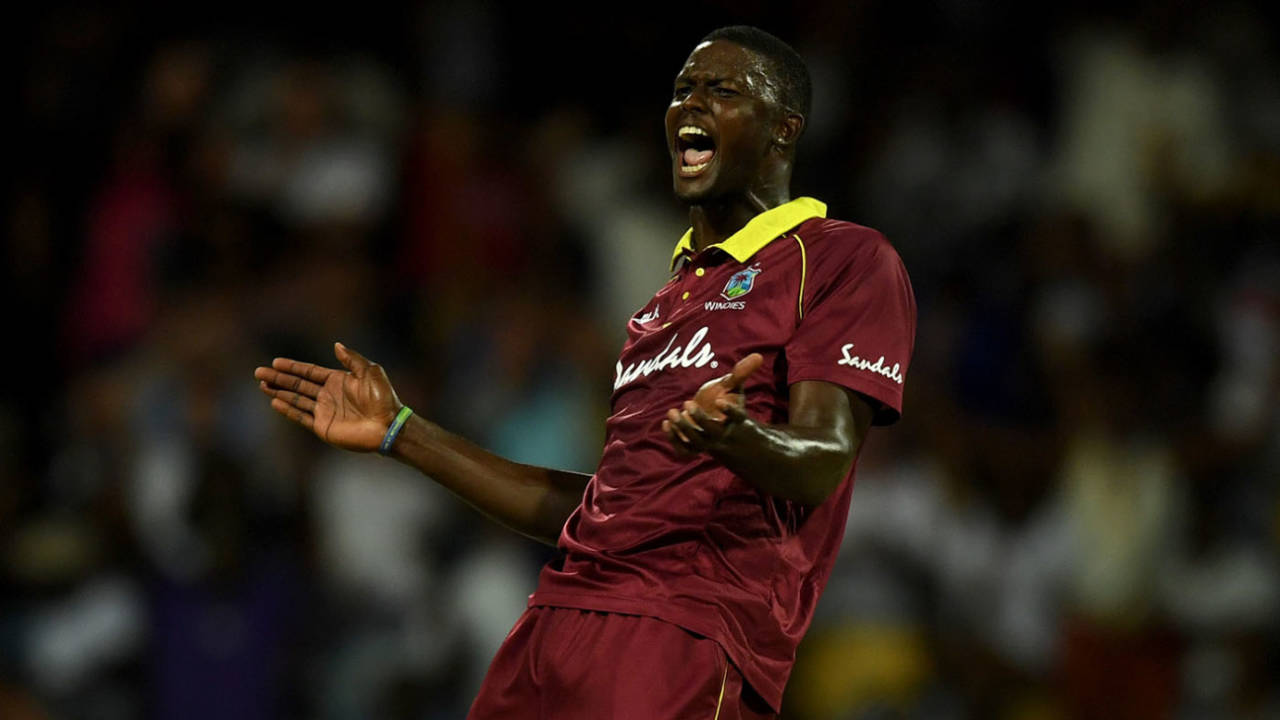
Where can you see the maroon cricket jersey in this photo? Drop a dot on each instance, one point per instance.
(684, 539)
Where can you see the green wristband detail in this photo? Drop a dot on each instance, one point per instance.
(396, 425)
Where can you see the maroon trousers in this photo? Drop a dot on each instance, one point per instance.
(565, 664)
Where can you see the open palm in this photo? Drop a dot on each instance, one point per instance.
(350, 409)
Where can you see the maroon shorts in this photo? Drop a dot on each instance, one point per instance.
(566, 664)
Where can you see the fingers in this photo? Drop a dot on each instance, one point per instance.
(305, 419)
(693, 416)
(692, 425)
(300, 401)
(733, 411)
(350, 359)
(678, 441)
(314, 373)
(673, 433)
(710, 422)
(683, 428)
(287, 381)
(291, 395)
(742, 370)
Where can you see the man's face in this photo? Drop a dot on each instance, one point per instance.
(719, 123)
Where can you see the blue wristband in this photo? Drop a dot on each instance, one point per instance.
(396, 425)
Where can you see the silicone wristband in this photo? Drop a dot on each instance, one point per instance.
(396, 425)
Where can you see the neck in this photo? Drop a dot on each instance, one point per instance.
(713, 222)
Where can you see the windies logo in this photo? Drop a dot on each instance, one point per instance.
(740, 284)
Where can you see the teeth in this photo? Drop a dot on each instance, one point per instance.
(691, 130)
(693, 168)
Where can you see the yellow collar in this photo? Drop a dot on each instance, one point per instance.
(760, 230)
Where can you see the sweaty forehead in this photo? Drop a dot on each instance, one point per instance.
(723, 60)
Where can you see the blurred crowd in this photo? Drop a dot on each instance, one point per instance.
(1077, 517)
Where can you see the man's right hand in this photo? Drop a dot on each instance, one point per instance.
(350, 409)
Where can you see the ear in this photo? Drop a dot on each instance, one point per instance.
(787, 131)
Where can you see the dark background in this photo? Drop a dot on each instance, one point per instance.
(1077, 517)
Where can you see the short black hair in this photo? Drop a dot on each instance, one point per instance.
(787, 65)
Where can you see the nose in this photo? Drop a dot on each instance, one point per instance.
(695, 100)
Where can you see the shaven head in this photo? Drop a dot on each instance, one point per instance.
(786, 78)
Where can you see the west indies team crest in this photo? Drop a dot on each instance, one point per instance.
(740, 284)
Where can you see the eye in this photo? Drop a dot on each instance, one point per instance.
(682, 92)
(724, 92)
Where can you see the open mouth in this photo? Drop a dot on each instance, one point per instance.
(695, 149)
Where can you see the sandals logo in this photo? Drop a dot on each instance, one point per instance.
(692, 354)
(740, 284)
(878, 367)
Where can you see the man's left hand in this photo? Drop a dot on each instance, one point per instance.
(708, 420)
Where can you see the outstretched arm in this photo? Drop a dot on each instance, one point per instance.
(804, 459)
(352, 409)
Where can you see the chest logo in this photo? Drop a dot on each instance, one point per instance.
(742, 282)
(694, 354)
(648, 317)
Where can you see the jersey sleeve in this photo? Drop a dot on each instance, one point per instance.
(857, 320)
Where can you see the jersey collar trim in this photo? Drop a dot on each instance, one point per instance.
(759, 231)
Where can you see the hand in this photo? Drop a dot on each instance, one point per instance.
(716, 409)
(351, 410)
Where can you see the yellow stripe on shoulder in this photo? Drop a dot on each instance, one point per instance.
(804, 270)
